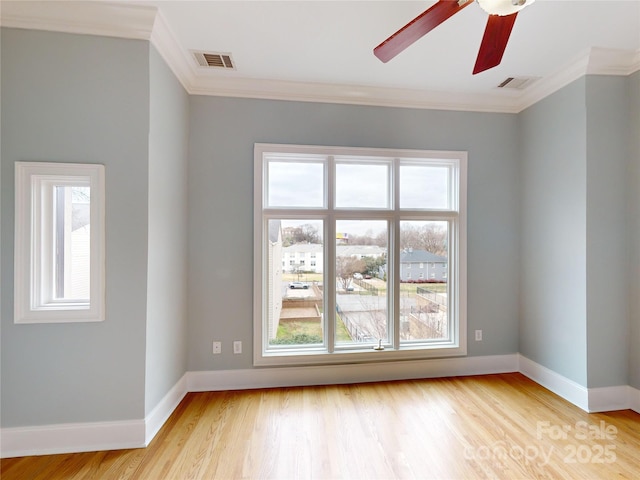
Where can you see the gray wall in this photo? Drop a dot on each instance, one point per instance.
(166, 352)
(222, 134)
(70, 98)
(540, 192)
(608, 154)
(634, 230)
(553, 218)
(577, 240)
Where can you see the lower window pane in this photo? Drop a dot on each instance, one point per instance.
(295, 284)
(424, 274)
(361, 288)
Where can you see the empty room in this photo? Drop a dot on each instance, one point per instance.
(320, 239)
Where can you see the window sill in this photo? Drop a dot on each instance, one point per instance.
(59, 315)
(322, 357)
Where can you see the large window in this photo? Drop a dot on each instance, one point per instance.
(366, 217)
(59, 242)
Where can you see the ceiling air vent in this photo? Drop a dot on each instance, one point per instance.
(517, 83)
(214, 60)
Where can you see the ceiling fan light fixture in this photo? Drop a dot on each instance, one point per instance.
(503, 7)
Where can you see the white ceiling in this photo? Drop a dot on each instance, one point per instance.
(323, 50)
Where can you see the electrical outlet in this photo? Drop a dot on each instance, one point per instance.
(217, 348)
(478, 335)
(237, 346)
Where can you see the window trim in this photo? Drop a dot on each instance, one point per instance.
(457, 266)
(33, 246)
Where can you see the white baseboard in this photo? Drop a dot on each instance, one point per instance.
(270, 377)
(608, 399)
(155, 420)
(592, 400)
(91, 437)
(634, 399)
(87, 437)
(558, 384)
(72, 438)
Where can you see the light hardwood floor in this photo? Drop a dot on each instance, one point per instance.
(494, 426)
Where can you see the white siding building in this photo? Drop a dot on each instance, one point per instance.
(308, 257)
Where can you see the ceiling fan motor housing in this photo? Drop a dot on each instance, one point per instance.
(503, 7)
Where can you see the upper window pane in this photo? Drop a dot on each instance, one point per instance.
(424, 186)
(295, 184)
(362, 185)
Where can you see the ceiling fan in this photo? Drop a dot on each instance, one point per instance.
(502, 16)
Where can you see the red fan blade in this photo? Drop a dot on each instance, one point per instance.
(417, 28)
(494, 41)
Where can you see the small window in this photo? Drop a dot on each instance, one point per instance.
(59, 243)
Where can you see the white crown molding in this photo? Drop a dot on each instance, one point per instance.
(147, 23)
(169, 48)
(594, 61)
(554, 82)
(348, 94)
(90, 18)
(606, 61)
(635, 65)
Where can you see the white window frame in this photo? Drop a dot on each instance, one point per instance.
(34, 301)
(395, 349)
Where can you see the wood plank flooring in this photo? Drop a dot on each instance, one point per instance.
(494, 426)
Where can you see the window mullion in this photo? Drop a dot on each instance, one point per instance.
(329, 318)
(452, 267)
(394, 254)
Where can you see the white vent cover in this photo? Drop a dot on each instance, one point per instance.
(517, 83)
(214, 60)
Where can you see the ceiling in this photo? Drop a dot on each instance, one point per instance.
(323, 50)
